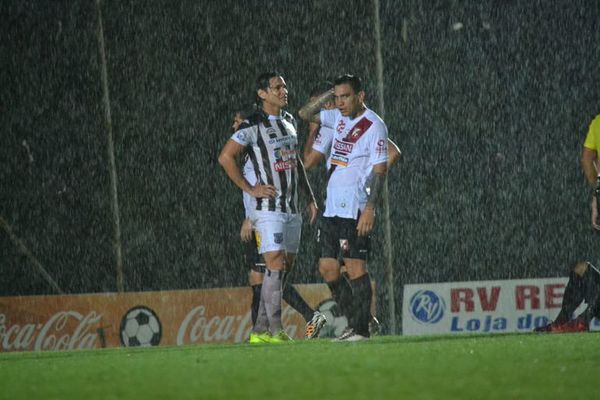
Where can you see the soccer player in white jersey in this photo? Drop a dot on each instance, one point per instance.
(317, 146)
(255, 262)
(270, 138)
(358, 154)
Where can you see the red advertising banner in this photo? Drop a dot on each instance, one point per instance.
(170, 318)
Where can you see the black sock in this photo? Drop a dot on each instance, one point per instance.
(255, 301)
(360, 313)
(293, 298)
(591, 293)
(572, 297)
(341, 293)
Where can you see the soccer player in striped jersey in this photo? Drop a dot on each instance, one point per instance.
(358, 154)
(269, 136)
(255, 262)
(318, 145)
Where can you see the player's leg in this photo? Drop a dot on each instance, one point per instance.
(292, 242)
(591, 292)
(256, 270)
(329, 266)
(271, 227)
(355, 250)
(573, 296)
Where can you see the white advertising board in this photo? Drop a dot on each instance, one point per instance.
(482, 306)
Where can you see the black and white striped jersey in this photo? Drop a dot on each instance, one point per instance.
(271, 143)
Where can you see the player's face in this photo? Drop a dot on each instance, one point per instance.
(348, 102)
(276, 94)
(237, 121)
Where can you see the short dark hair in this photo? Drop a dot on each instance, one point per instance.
(262, 83)
(352, 80)
(321, 88)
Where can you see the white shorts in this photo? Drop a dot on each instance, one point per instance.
(277, 231)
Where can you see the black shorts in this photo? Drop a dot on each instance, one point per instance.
(338, 237)
(253, 260)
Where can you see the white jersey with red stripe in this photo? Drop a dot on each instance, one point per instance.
(354, 147)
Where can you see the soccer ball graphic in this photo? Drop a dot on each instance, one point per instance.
(140, 327)
(336, 323)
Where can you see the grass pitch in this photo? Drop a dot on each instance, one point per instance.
(459, 367)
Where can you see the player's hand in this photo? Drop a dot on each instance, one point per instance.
(246, 230)
(312, 211)
(366, 222)
(595, 221)
(263, 191)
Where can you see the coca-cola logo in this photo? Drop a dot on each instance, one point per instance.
(54, 334)
(196, 327)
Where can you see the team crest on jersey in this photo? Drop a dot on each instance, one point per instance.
(341, 126)
(241, 136)
(278, 237)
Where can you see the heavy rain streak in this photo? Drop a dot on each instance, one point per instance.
(113, 115)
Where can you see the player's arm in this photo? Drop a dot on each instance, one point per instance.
(588, 165)
(310, 111)
(311, 156)
(305, 188)
(228, 160)
(394, 153)
(589, 158)
(366, 222)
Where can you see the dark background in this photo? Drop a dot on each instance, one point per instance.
(490, 117)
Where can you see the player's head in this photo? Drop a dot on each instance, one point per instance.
(321, 88)
(349, 94)
(240, 115)
(271, 91)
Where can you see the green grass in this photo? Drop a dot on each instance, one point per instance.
(474, 367)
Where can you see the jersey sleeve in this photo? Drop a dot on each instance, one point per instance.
(244, 136)
(592, 140)
(378, 144)
(328, 118)
(323, 140)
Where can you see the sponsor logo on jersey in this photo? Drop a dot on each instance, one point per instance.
(241, 136)
(284, 154)
(343, 147)
(272, 133)
(381, 147)
(339, 160)
(284, 165)
(318, 138)
(426, 307)
(283, 140)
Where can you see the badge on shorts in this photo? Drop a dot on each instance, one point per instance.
(344, 244)
(278, 237)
